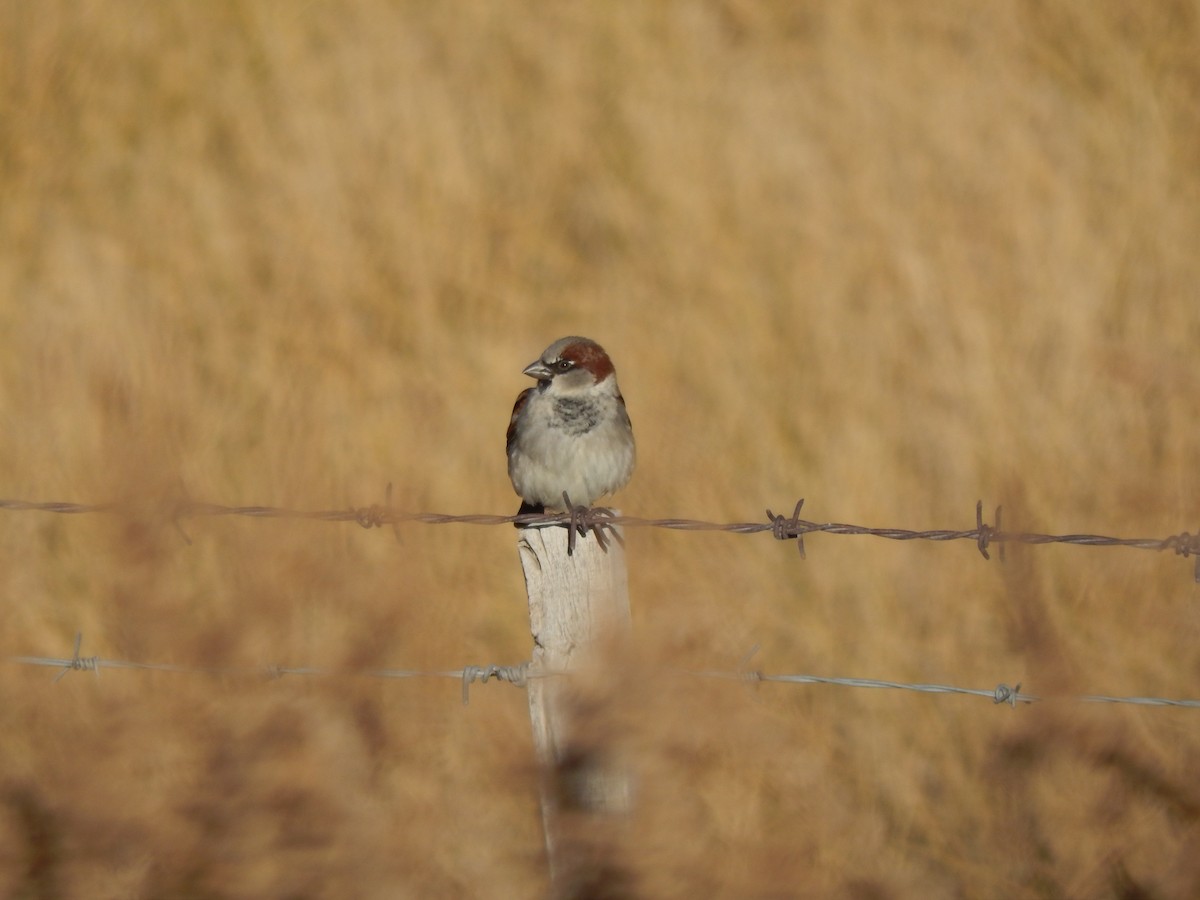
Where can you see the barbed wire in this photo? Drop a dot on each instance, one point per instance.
(580, 519)
(515, 675)
(1002, 693)
(519, 676)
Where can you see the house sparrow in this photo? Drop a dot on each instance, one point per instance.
(570, 433)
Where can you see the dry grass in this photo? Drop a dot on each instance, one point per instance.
(888, 258)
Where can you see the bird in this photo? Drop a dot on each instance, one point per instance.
(570, 433)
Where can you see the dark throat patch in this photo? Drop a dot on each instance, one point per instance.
(575, 415)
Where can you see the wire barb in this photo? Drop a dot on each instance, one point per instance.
(1185, 545)
(79, 663)
(746, 673)
(375, 516)
(596, 519)
(1005, 694)
(177, 509)
(788, 529)
(514, 675)
(986, 532)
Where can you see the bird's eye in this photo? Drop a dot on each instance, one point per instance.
(563, 365)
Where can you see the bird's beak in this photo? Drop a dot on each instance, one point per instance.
(539, 370)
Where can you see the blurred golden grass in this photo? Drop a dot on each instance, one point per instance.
(889, 258)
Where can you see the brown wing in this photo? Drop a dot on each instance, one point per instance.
(522, 399)
(624, 412)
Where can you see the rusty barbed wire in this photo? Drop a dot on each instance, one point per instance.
(599, 520)
(519, 676)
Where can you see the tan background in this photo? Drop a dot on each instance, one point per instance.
(892, 258)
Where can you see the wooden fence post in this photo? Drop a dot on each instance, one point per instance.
(574, 602)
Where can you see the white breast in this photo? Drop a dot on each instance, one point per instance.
(582, 445)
